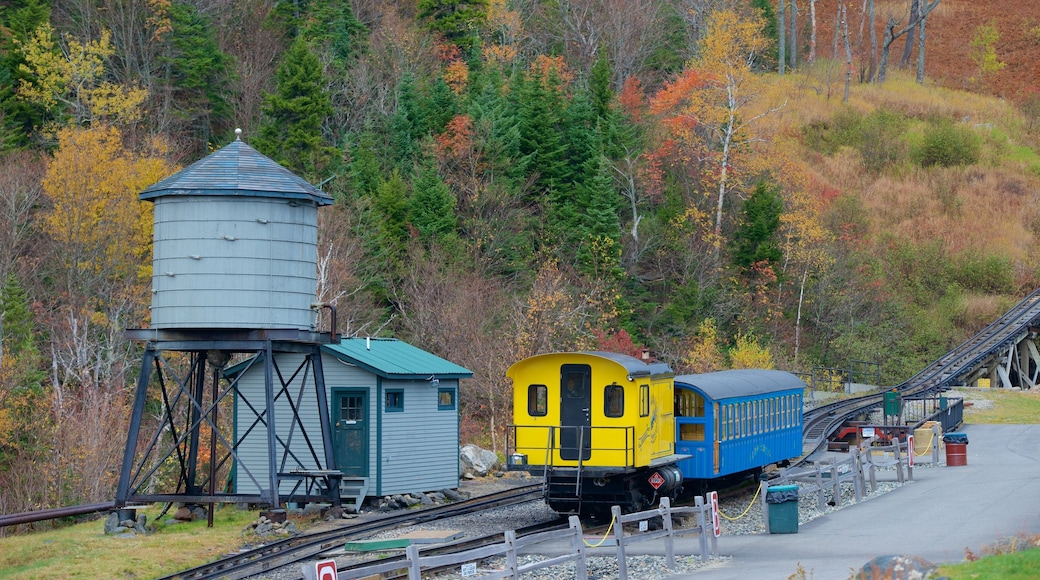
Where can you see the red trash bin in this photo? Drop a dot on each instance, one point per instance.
(956, 449)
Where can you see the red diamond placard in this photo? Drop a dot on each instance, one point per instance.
(656, 480)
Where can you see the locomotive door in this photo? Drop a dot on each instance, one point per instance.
(575, 411)
(350, 431)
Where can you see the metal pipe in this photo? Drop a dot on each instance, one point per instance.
(54, 513)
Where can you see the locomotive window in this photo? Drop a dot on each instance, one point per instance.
(613, 400)
(644, 400)
(537, 400)
(394, 400)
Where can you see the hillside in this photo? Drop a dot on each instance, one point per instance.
(951, 27)
(511, 178)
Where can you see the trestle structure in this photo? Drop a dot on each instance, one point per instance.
(182, 435)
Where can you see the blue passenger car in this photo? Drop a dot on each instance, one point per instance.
(735, 422)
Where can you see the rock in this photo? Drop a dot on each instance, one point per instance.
(896, 567)
(183, 514)
(453, 495)
(477, 461)
(111, 523)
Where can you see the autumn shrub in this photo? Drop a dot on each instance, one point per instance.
(877, 136)
(990, 274)
(945, 144)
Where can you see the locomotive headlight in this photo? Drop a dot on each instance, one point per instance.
(518, 460)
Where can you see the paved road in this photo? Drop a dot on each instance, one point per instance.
(937, 516)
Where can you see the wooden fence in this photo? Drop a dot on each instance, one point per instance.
(572, 536)
(825, 477)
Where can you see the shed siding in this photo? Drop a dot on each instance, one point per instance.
(419, 450)
(420, 447)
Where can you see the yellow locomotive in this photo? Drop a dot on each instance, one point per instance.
(598, 426)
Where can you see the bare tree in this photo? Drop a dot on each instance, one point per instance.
(891, 35)
(812, 31)
(911, 38)
(628, 30)
(20, 192)
(794, 34)
(848, 62)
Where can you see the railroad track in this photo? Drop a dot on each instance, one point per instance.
(304, 547)
(949, 369)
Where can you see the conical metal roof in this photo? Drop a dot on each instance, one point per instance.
(236, 169)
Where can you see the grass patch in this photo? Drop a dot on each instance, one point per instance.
(84, 551)
(1017, 559)
(1008, 408)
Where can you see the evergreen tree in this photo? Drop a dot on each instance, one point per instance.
(392, 210)
(366, 172)
(755, 238)
(457, 20)
(600, 248)
(538, 102)
(293, 115)
(196, 74)
(432, 207)
(332, 26)
(441, 105)
(599, 86)
(18, 118)
(407, 125)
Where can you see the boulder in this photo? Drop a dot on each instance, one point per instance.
(477, 461)
(896, 567)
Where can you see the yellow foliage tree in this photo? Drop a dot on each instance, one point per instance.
(704, 354)
(102, 229)
(70, 79)
(749, 354)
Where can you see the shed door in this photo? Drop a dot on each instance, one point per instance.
(575, 411)
(350, 431)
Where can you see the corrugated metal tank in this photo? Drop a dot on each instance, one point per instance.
(235, 245)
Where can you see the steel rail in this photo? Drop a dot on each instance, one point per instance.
(821, 422)
(54, 513)
(300, 548)
(455, 547)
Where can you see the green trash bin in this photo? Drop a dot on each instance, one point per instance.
(782, 503)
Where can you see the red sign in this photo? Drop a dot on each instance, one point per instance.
(656, 480)
(716, 527)
(326, 570)
(910, 450)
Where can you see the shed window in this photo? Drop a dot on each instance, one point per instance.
(613, 400)
(537, 400)
(394, 400)
(644, 400)
(445, 399)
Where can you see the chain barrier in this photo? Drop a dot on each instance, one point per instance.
(605, 536)
(757, 491)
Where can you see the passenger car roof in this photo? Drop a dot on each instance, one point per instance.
(740, 383)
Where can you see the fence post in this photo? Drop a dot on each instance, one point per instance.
(935, 444)
(580, 568)
(511, 563)
(819, 486)
(414, 567)
(762, 489)
(702, 525)
(857, 479)
(665, 510)
(899, 462)
(619, 537)
(835, 485)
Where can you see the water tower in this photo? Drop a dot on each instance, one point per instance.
(234, 275)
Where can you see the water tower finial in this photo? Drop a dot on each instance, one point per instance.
(238, 134)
